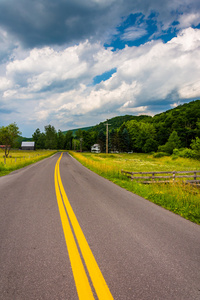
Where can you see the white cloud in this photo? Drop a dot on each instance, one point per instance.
(133, 33)
(187, 40)
(44, 66)
(5, 83)
(53, 85)
(9, 93)
(173, 105)
(191, 90)
(129, 106)
(187, 20)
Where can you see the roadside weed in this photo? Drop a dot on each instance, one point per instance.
(19, 159)
(177, 197)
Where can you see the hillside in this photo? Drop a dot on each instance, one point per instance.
(75, 130)
(187, 114)
(181, 118)
(184, 119)
(116, 122)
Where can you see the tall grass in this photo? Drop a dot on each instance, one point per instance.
(19, 159)
(177, 197)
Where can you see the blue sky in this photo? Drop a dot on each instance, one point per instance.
(76, 63)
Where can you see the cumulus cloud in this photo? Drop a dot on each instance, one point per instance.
(188, 20)
(5, 83)
(47, 68)
(143, 74)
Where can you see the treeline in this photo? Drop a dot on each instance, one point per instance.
(51, 139)
(178, 128)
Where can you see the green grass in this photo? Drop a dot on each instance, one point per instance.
(18, 159)
(177, 197)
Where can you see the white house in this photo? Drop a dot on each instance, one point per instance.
(96, 148)
(28, 146)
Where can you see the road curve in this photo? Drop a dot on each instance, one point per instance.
(142, 250)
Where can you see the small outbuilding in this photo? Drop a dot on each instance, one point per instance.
(28, 146)
(96, 148)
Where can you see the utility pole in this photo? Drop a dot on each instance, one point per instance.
(107, 136)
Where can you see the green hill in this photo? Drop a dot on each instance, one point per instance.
(183, 119)
(116, 122)
(74, 130)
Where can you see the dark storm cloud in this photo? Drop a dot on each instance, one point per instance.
(38, 23)
(47, 22)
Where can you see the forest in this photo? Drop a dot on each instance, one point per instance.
(176, 131)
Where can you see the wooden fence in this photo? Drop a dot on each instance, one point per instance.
(159, 177)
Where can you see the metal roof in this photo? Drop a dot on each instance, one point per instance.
(28, 144)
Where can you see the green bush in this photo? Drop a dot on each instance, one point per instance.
(160, 154)
(172, 143)
(186, 153)
(2, 167)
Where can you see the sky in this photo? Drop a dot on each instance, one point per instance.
(75, 63)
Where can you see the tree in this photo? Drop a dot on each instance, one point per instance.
(50, 137)
(172, 143)
(41, 141)
(114, 140)
(150, 145)
(79, 137)
(37, 138)
(195, 145)
(197, 129)
(162, 132)
(125, 140)
(68, 140)
(79, 134)
(75, 144)
(139, 133)
(87, 140)
(60, 140)
(101, 140)
(8, 135)
(120, 139)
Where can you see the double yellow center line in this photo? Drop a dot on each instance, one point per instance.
(67, 216)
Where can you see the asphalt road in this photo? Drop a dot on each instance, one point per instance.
(142, 250)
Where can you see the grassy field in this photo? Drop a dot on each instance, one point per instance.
(177, 197)
(18, 159)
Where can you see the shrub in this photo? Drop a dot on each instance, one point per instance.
(172, 143)
(186, 152)
(2, 167)
(195, 145)
(160, 154)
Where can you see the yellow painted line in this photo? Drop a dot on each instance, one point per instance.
(96, 276)
(82, 284)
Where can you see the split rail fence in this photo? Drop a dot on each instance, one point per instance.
(159, 177)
